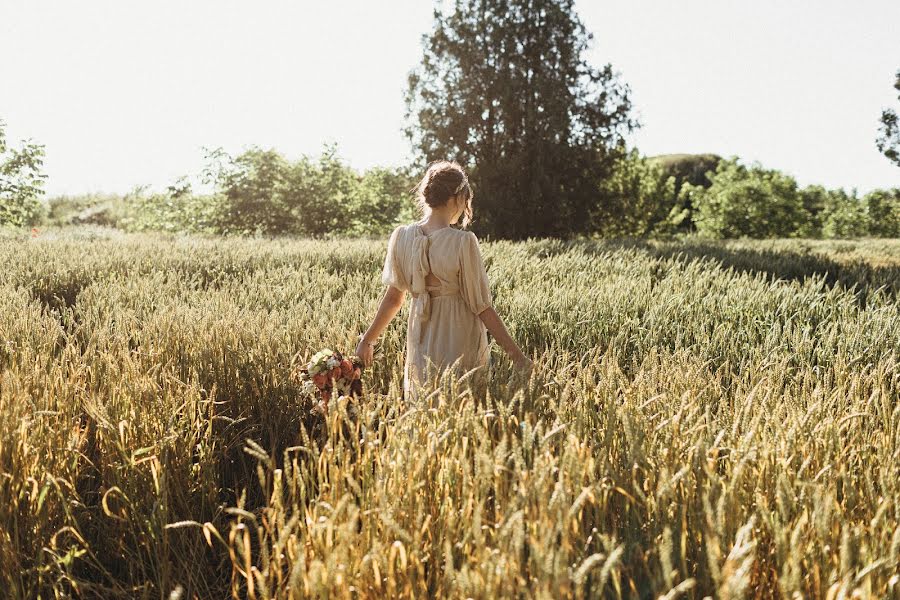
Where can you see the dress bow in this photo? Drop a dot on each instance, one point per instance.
(421, 304)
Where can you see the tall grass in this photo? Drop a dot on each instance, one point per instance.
(716, 420)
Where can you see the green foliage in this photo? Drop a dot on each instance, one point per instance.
(744, 201)
(504, 87)
(844, 216)
(685, 169)
(747, 201)
(688, 168)
(815, 201)
(256, 188)
(888, 141)
(173, 211)
(21, 182)
(381, 200)
(637, 197)
(84, 209)
(265, 193)
(883, 208)
(257, 192)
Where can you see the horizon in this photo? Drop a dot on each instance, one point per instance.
(119, 104)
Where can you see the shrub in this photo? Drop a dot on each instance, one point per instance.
(747, 202)
(844, 216)
(637, 197)
(21, 182)
(883, 208)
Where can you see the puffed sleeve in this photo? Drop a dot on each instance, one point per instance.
(473, 280)
(392, 274)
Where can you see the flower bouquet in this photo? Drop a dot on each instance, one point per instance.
(329, 373)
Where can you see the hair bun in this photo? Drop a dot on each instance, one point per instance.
(443, 180)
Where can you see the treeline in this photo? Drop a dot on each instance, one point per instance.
(262, 192)
(724, 198)
(257, 192)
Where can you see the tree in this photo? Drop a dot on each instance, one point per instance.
(260, 191)
(251, 185)
(815, 200)
(21, 182)
(844, 216)
(637, 196)
(888, 140)
(504, 88)
(693, 169)
(883, 208)
(747, 202)
(381, 201)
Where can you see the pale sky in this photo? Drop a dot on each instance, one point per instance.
(125, 93)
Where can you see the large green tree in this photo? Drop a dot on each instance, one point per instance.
(21, 182)
(888, 141)
(504, 88)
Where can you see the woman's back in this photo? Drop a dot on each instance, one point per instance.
(445, 274)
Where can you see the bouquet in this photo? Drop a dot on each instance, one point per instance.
(328, 372)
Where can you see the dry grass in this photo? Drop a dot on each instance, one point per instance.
(705, 419)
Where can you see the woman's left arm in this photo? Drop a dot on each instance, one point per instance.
(391, 303)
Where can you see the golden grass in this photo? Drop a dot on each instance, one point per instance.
(705, 419)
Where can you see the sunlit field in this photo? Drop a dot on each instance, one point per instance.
(705, 419)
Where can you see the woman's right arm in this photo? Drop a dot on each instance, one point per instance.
(390, 305)
(495, 325)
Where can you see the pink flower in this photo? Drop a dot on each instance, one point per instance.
(346, 368)
(320, 380)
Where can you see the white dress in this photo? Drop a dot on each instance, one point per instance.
(444, 329)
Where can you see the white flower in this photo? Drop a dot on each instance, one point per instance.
(319, 357)
(332, 362)
(309, 387)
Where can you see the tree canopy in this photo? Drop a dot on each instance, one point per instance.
(888, 141)
(504, 88)
(21, 182)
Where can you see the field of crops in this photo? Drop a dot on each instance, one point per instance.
(704, 420)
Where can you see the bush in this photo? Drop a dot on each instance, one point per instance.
(637, 197)
(883, 208)
(381, 200)
(688, 168)
(84, 209)
(177, 210)
(263, 192)
(844, 216)
(747, 202)
(256, 192)
(21, 183)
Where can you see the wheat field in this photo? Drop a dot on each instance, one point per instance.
(704, 420)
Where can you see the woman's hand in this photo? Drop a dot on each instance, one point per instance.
(523, 364)
(366, 352)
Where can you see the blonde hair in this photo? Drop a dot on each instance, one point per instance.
(443, 180)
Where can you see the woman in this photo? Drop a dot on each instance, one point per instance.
(441, 267)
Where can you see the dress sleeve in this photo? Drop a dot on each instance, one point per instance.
(473, 280)
(392, 274)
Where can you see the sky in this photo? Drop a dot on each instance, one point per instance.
(126, 93)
